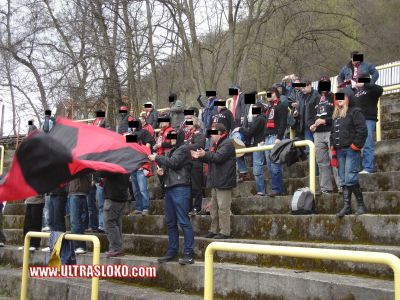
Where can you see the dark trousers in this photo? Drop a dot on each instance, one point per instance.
(57, 212)
(197, 183)
(176, 203)
(92, 209)
(2, 237)
(33, 221)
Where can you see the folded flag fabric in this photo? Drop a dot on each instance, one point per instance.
(44, 161)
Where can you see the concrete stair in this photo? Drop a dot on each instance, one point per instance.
(256, 220)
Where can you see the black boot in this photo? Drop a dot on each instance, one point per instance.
(360, 200)
(346, 210)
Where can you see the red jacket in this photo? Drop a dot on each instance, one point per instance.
(163, 136)
(149, 128)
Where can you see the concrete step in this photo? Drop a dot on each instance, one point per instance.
(233, 281)
(390, 134)
(376, 229)
(384, 147)
(388, 125)
(69, 289)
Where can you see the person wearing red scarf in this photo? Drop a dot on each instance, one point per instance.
(221, 179)
(275, 129)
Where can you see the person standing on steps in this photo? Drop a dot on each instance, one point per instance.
(221, 179)
(176, 167)
(349, 133)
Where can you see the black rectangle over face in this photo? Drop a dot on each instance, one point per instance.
(269, 94)
(123, 111)
(172, 136)
(148, 106)
(211, 93)
(131, 138)
(220, 103)
(100, 114)
(358, 57)
(189, 122)
(233, 92)
(364, 80)
(299, 84)
(47, 112)
(30, 123)
(256, 110)
(339, 96)
(249, 98)
(212, 132)
(163, 120)
(324, 86)
(133, 124)
(171, 99)
(188, 112)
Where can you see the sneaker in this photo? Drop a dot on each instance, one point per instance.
(221, 236)
(186, 260)
(167, 258)
(340, 190)
(115, 253)
(80, 251)
(47, 249)
(364, 172)
(145, 212)
(274, 194)
(260, 194)
(326, 192)
(210, 235)
(100, 230)
(46, 229)
(90, 230)
(30, 248)
(1, 244)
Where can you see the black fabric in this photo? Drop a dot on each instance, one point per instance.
(116, 186)
(225, 117)
(152, 119)
(349, 130)
(123, 123)
(280, 121)
(367, 98)
(303, 102)
(177, 165)
(256, 129)
(221, 165)
(33, 221)
(314, 109)
(144, 137)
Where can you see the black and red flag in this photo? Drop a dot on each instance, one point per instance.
(43, 161)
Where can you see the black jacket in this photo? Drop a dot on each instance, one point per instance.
(225, 117)
(349, 130)
(367, 98)
(321, 110)
(152, 119)
(280, 121)
(256, 129)
(198, 141)
(303, 102)
(177, 164)
(143, 136)
(240, 110)
(221, 165)
(116, 186)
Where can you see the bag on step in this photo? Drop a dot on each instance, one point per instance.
(302, 202)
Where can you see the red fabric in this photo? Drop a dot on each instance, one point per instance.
(354, 147)
(334, 161)
(45, 161)
(235, 98)
(161, 151)
(149, 128)
(97, 121)
(355, 72)
(271, 113)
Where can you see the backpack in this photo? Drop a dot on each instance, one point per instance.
(302, 202)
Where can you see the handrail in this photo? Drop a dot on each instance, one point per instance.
(85, 120)
(311, 159)
(1, 159)
(378, 123)
(314, 253)
(71, 237)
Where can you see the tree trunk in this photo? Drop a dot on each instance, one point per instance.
(154, 84)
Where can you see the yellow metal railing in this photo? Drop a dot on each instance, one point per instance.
(311, 159)
(314, 253)
(71, 237)
(378, 123)
(1, 159)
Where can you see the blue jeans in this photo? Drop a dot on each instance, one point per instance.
(100, 199)
(45, 218)
(308, 135)
(57, 206)
(92, 210)
(176, 205)
(275, 170)
(258, 171)
(349, 161)
(77, 208)
(139, 188)
(369, 147)
(241, 165)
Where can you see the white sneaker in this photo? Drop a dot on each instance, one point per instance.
(1, 244)
(364, 172)
(21, 248)
(47, 249)
(30, 248)
(80, 251)
(45, 229)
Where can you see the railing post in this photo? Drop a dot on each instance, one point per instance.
(208, 272)
(1, 159)
(96, 261)
(25, 266)
(311, 146)
(378, 123)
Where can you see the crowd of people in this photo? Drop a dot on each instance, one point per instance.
(193, 148)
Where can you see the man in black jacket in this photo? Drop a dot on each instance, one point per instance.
(115, 196)
(221, 179)
(366, 96)
(176, 167)
(224, 116)
(275, 129)
(257, 131)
